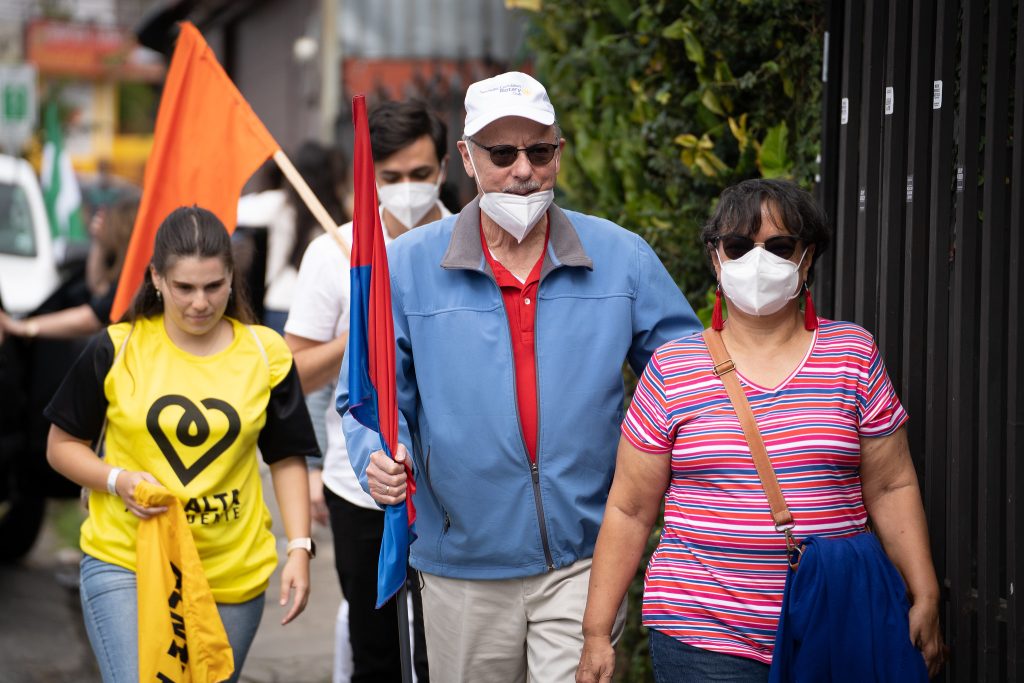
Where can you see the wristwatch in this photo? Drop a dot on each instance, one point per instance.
(306, 544)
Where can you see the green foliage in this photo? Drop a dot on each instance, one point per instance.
(666, 103)
(137, 105)
(67, 517)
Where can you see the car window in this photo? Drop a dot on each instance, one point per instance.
(16, 234)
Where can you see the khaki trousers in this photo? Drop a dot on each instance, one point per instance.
(509, 630)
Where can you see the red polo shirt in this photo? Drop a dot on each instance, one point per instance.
(520, 300)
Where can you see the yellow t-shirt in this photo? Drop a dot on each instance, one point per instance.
(194, 423)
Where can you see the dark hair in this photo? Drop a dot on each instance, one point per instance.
(395, 125)
(793, 209)
(118, 220)
(190, 231)
(323, 169)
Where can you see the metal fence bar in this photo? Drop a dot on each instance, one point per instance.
(826, 189)
(963, 347)
(915, 245)
(845, 214)
(991, 377)
(868, 178)
(893, 194)
(1015, 385)
(941, 183)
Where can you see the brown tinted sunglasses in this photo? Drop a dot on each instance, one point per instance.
(735, 246)
(502, 156)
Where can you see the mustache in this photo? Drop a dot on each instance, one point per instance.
(522, 187)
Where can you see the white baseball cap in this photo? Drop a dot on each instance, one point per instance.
(507, 94)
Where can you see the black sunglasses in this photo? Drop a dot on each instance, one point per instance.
(735, 246)
(502, 156)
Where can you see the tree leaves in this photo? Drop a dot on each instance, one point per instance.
(664, 104)
(771, 156)
(699, 154)
(682, 29)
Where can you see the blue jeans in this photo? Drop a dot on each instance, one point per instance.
(676, 662)
(275, 320)
(110, 606)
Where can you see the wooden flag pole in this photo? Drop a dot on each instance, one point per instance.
(314, 205)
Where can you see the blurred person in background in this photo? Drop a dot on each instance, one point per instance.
(110, 230)
(291, 226)
(409, 143)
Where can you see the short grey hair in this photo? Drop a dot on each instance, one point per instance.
(558, 133)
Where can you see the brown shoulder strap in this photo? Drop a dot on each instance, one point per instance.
(725, 370)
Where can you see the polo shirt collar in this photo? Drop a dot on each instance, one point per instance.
(465, 250)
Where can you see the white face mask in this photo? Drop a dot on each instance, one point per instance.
(516, 214)
(410, 202)
(759, 282)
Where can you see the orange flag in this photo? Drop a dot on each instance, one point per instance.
(207, 144)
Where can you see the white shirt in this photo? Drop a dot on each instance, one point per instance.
(320, 311)
(271, 209)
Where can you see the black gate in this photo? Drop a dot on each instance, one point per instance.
(922, 174)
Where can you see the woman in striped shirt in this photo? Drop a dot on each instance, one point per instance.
(831, 423)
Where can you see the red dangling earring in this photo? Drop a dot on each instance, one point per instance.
(717, 322)
(810, 317)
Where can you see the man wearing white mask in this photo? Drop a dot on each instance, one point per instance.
(512, 322)
(409, 153)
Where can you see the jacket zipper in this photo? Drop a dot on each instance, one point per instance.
(534, 468)
(535, 464)
(447, 520)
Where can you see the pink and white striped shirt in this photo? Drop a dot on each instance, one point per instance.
(715, 580)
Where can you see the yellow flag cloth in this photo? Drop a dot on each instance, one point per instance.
(181, 637)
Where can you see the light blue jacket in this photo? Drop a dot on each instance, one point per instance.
(484, 512)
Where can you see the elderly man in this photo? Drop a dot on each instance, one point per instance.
(512, 320)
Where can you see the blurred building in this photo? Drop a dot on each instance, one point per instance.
(298, 62)
(89, 62)
(299, 74)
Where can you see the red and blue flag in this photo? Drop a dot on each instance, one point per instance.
(371, 351)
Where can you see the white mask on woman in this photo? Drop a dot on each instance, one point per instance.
(759, 282)
(410, 202)
(516, 214)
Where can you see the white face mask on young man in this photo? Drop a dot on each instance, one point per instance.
(516, 214)
(410, 202)
(759, 282)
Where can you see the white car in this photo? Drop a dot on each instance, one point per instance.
(28, 276)
(28, 269)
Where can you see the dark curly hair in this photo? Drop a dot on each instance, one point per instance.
(792, 208)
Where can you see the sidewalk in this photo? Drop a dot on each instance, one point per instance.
(42, 637)
(302, 651)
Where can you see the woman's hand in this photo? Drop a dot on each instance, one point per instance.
(5, 325)
(926, 634)
(291, 487)
(597, 662)
(317, 502)
(125, 487)
(13, 327)
(295, 583)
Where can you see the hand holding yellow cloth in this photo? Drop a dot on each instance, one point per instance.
(181, 637)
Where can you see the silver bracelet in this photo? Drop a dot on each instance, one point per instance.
(112, 480)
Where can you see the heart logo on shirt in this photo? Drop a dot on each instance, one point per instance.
(193, 430)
